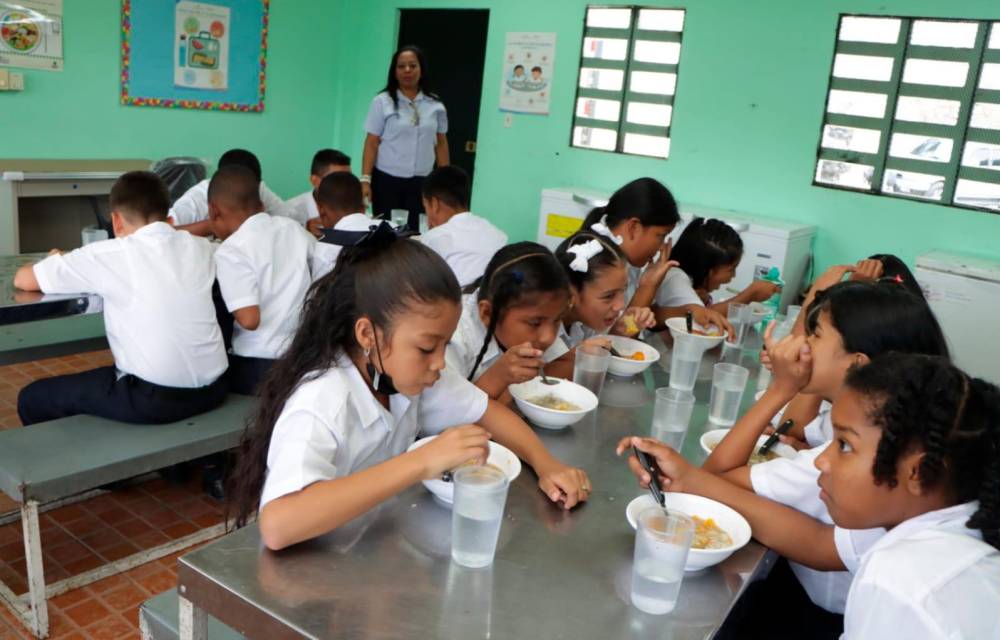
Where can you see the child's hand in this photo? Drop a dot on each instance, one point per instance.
(55, 252)
(674, 473)
(706, 317)
(641, 318)
(832, 276)
(657, 269)
(315, 227)
(791, 361)
(562, 483)
(791, 441)
(761, 290)
(868, 270)
(453, 448)
(520, 363)
(603, 342)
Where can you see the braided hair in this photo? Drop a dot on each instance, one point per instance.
(380, 279)
(925, 403)
(513, 276)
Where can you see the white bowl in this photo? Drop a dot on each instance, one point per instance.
(626, 367)
(691, 505)
(500, 456)
(524, 392)
(711, 439)
(679, 326)
(758, 311)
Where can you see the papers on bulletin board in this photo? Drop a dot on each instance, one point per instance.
(528, 65)
(201, 46)
(31, 34)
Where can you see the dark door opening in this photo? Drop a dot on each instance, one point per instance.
(454, 41)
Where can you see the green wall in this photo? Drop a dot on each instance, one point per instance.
(750, 97)
(75, 113)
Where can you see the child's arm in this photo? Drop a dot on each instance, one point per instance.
(736, 448)
(201, 228)
(556, 480)
(517, 364)
(652, 278)
(25, 280)
(803, 409)
(323, 506)
(248, 317)
(699, 314)
(789, 532)
(756, 291)
(830, 277)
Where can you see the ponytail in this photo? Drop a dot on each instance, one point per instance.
(645, 199)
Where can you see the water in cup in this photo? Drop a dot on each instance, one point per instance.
(480, 495)
(662, 543)
(728, 383)
(592, 379)
(683, 371)
(671, 415)
(655, 586)
(590, 367)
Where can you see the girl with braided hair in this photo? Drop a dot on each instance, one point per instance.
(364, 372)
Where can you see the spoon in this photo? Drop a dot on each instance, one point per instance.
(545, 380)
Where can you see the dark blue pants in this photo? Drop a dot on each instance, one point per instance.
(100, 392)
(247, 374)
(390, 192)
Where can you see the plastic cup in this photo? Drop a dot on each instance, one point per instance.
(738, 315)
(662, 542)
(728, 384)
(792, 313)
(685, 361)
(92, 234)
(480, 496)
(399, 217)
(590, 367)
(671, 415)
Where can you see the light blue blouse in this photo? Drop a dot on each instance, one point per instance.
(408, 133)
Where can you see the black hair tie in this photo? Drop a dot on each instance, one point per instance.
(377, 235)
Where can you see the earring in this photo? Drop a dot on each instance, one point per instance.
(368, 350)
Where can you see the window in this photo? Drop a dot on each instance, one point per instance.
(628, 76)
(913, 110)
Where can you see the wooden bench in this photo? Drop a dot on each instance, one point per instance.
(159, 620)
(55, 461)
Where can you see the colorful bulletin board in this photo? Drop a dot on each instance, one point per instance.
(194, 55)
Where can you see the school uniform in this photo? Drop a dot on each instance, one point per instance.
(325, 254)
(465, 344)
(407, 132)
(193, 205)
(577, 333)
(332, 426)
(302, 208)
(156, 286)
(265, 263)
(677, 290)
(467, 243)
(930, 577)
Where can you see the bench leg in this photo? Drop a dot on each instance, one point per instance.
(193, 622)
(38, 619)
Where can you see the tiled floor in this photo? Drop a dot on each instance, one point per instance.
(79, 537)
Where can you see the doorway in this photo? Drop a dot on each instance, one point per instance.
(454, 43)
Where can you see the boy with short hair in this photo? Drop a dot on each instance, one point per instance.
(156, 284)
(341, 208)
(465, 241)
(302, 207)
(190, 212)
(263, 271)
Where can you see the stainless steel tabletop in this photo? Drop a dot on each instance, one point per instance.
(388, 574)
(25, 306)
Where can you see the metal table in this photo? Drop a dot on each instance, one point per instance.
(26, 306)
(388, 574)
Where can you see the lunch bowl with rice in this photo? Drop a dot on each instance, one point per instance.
(554, 406)
(500, 457)
(636, 356)
(719, 530)
(711, 439)
(708, 337)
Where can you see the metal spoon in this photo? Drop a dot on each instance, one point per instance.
(545, 380)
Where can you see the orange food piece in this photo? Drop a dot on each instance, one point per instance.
(638, 355)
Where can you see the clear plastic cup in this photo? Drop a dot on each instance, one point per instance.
(662, 542)
(792, 313)
(738, 315)
(399, 217)
(590, 367)
(685, 361)
(480, 496)
(728, 384)
(92, 234)
(671, 415)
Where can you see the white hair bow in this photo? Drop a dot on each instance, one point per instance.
(584, 252)
(602, 229)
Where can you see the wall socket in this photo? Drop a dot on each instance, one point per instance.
(11, 81)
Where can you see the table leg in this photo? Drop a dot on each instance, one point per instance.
(39, 612)
(193, 621)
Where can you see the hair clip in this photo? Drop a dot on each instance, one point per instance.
(601, 229)
(584, 252)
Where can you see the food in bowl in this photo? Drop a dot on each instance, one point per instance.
(755, 457)
(638, 356)
(709, 535)
(551, 401)
(475, 463)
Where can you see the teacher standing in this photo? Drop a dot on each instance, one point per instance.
(406, 127)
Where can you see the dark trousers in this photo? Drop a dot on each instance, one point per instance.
(99, 392)
(390, 192)
(247, 374)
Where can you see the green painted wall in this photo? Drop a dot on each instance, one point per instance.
(76, 114)
(750, 99)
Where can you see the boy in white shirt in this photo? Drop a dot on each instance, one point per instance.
(190, 212)
(156, 284)
(465, 241)
(302, 208)
(263, 271)
(341, 208)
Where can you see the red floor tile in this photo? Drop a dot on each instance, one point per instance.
(127, 597)
(111, 628)
(87, 612)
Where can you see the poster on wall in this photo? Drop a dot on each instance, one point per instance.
(528, 64)
(31, 34)
(194, 55)
(201, 42)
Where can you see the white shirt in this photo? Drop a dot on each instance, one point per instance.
(332, 426)
(407, 132)
(193, 205)
(928, 578)
(265, 263)
(158, 312)
(577, 333)
(468, 340)
(467, 243)
(325, 256)
(302, 208)
(677, 290)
